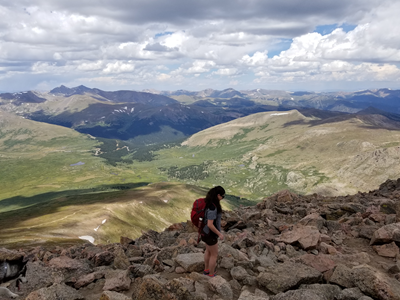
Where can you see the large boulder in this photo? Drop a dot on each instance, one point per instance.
(64, 262)
(121, 261)
(150, 288)
(108, 295)
(386, 234)
(191, 262)
(387, 250)
(39, 276)
(10, 255)
(314, 220)
(306, 236)
(117, 281)
(342, 276)
(88, 278)
(319, 262)
(56, 291)
(227, 251)
(240, 274)
(328, 291)
(375, 283)
(299, 295)
(350, 294)
(247, 295)
(288, 275)
(221, 287)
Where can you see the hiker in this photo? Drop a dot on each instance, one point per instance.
(212, 228)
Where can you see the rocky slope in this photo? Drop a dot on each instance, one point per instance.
(287, 247)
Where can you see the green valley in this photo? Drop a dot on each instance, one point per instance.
(58, 184)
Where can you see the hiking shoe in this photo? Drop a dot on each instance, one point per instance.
(206, 272)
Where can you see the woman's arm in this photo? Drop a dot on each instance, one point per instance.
(210, 224)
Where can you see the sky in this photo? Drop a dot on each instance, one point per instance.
(294, 45)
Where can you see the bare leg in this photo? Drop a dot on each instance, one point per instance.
(207, 258)
(213, 258)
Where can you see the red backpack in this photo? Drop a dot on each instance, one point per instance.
(197, 215)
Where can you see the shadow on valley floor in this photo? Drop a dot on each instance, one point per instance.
(19, 202)
(31, 207)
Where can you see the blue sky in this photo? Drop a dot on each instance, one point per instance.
(193, 45)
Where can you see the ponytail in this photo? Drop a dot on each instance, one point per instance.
(212, 198)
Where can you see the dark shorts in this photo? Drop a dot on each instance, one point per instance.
(210, 239)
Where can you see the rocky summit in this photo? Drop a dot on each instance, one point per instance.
(288, 246)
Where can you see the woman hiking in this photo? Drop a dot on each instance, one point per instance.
(212, 229)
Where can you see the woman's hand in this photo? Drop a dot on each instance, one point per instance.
(221, 236)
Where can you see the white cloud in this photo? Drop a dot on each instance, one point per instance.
(163, 77)
(198, 44)
(119, 67)
(90, 66)
(226, 71)
(258, 58)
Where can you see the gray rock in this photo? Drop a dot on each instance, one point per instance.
(288, 275)
(386, 234)
(149, 288)
(299, 295)
(108, 295)
(56, 291)
(39, 277)
(191, 262)
(64, 262)
(247, 295)
(121, 261)
(227, 251)
(266, 261)
(329, 291)
(235, 285)
(227, 263)
(117, 281)
(313, 219)
(307, 236)
(350, 294)
(333, 226)
(375, 283)
(342, 276)
(261, 293)
(291, 251)
(137, 270)
(239, 273)
(200, 288)
(180, 288)
(390, 219)
(88, 278)
(221, 287)
(394, 269)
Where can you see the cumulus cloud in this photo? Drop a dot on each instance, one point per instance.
(199, 44)
(157, 47)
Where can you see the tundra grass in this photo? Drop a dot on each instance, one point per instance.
(126, 213)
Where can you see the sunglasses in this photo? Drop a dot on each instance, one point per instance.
(223, 196)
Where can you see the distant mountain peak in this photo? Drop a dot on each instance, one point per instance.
(66, 91)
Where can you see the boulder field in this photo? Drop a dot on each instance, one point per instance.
(288, 246)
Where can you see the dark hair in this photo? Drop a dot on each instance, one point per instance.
(212, 197)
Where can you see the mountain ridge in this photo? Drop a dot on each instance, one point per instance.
(156, 118)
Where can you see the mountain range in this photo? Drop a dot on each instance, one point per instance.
(253, 143)
(151, 117)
